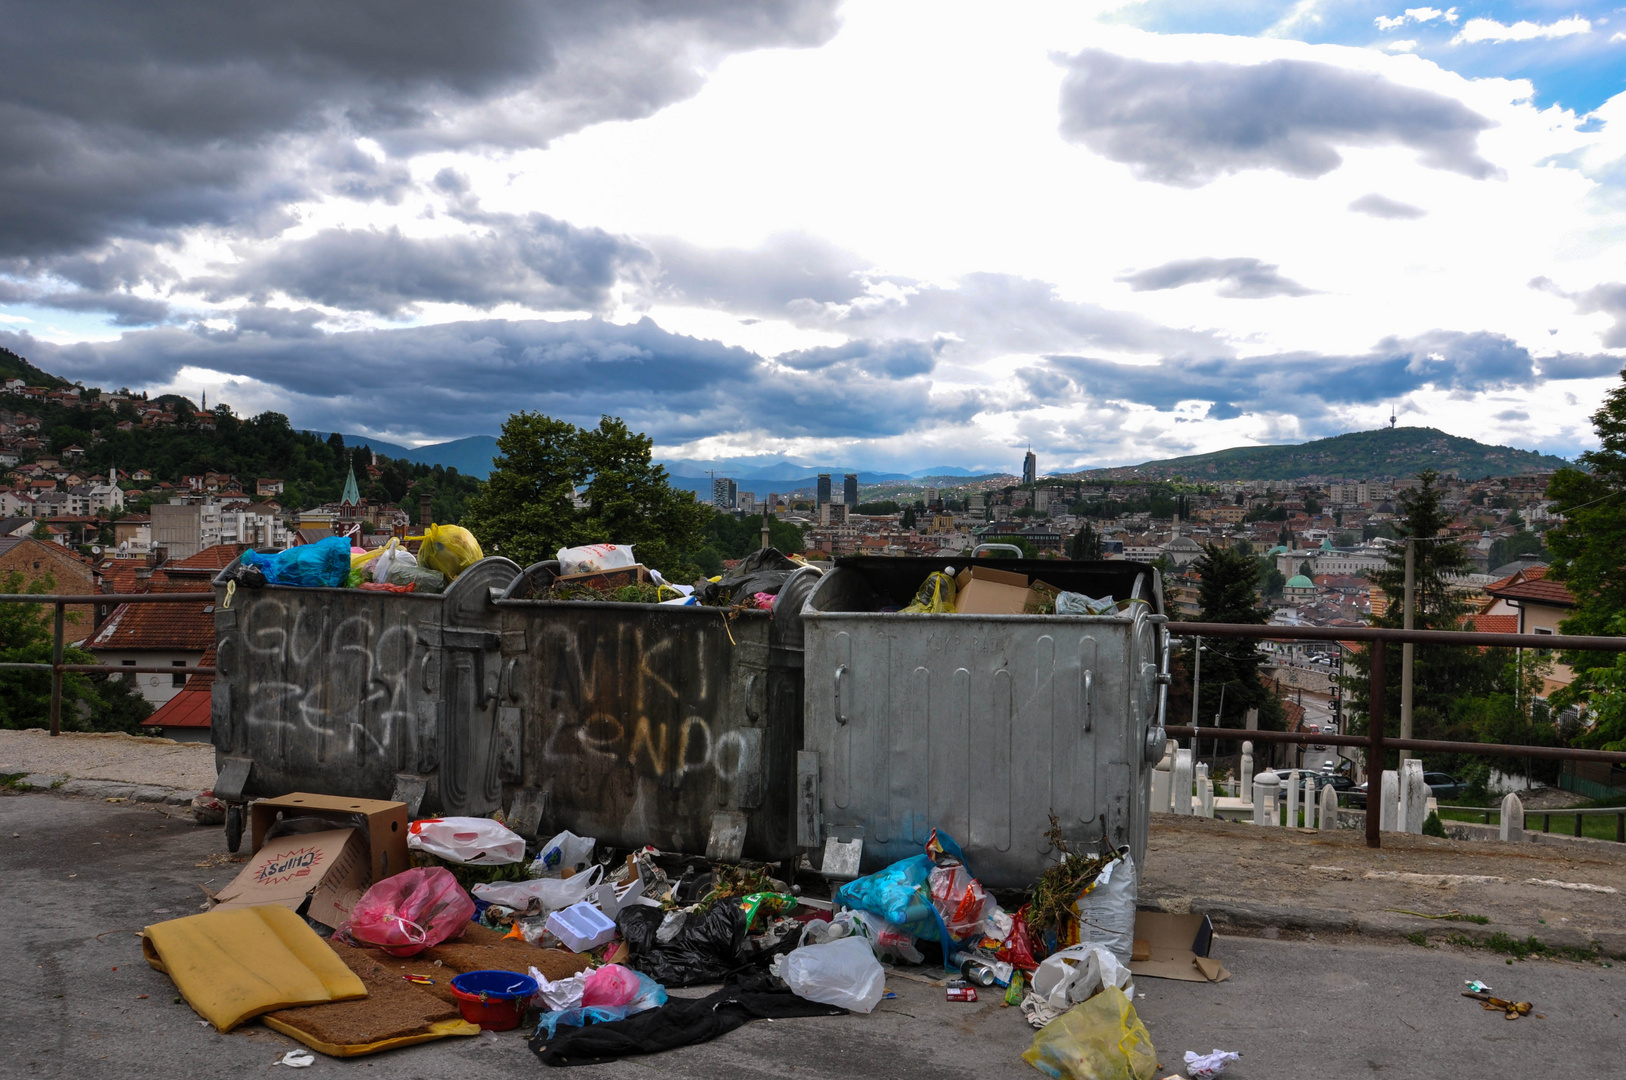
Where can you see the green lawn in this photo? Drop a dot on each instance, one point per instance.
(1598, 827)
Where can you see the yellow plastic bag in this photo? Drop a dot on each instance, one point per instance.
(359, 561)
(934, 597)
(451, 549)
(1100, 1039)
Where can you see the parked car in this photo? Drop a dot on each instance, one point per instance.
(1443, 786)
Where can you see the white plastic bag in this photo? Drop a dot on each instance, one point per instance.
(595, 558)
(567, 851)
(1076, 974)
(393, 555)
(561, 994)
(1106, 914)
(475, 840)
(544, 894)
(842, 972)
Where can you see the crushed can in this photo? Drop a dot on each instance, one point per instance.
(957, 990)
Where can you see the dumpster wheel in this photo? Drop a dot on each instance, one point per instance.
(234, 827)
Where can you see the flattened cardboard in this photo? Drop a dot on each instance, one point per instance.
(1174, 945)
(328, 868)
(386, 824)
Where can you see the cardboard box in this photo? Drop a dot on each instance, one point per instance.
(384, 824)
(320, 875)
(636, 574)
(1175, 947)
(982, 590)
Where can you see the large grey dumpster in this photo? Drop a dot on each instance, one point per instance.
(632, 723)
(372, 695)
(982, 725)
(676, 726)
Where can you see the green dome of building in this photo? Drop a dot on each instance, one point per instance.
(1299, 581)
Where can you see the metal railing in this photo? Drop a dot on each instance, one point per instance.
(58, 634)
(1578, 813)
(1375, 742)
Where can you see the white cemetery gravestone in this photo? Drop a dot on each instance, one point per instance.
(1388, 799)
(1205, 791)
(1512, 817)
(1265, 787)
(1161, 779)
(1180, 782)
(1309, 801)
(1290, 785)
(1247, 770)
(1414, 795)
(1329, 807)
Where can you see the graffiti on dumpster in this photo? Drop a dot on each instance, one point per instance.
(346, 678)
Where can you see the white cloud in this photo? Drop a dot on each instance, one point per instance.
(1481, 30)
(1416, 15)
(1404, 45)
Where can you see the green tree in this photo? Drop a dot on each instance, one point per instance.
(527, 510)
(1230, 667)
(89, 702)
(1442, 675)
(1086, 544)
(909, 518)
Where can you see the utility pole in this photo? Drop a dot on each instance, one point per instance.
(1196, 684)
(1408, 648)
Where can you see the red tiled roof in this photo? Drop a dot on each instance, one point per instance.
(158, 627)
(1551, 593)
(190, 707)
(210, 560)
(1491, 624)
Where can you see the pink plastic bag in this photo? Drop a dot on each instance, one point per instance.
(611, 985)
(407, 913)
(959, 898)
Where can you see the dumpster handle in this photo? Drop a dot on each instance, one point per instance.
(1089, 700)
(980, 548)
(841, 676)
(752, 715)
(1134, 593)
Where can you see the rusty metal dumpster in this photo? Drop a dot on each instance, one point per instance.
(982, 725)
(633, 723)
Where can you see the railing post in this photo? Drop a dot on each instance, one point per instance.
(1577, 824)
(1620, 827)
(1374, 749)
(56, 671)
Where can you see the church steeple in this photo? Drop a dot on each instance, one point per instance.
(351, 496)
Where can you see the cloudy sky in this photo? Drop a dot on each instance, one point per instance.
(877, 232)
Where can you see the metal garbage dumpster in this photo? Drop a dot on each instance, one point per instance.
(632, 723)
(670, 725)
(366, 694)
(982, 725)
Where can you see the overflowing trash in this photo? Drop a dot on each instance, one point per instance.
(987, 590)
(1209, 1065)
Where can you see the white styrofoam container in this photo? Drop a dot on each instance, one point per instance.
(581, 927)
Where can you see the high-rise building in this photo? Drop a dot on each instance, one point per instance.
(1030, 468)
(724, 493)
(747, 501)
(824, 489)
(849, 490)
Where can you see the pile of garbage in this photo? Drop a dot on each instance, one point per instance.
(445, 552)
(611, 572)
(986, 590)
(577, 947)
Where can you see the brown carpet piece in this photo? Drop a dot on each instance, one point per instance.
(394, 1013)
(479, 949)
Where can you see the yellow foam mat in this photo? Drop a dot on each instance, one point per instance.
(438, 1030)
(233, 964)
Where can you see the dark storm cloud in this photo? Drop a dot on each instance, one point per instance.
(1310, 384)
(889, 359)
(456, 379)
(131, 120)
(1190, 123)
(1381, 206)
(1240, 279)
(534, 260)
(762, 281)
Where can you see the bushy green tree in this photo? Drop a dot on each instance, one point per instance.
(527, 510)
(1230, 666)
(89, 702)
(1086, 544)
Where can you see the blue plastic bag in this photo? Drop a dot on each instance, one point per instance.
(324, 563)
(650, 994)
(902, 892)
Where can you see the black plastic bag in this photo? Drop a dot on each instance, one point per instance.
(763, 571)
(710, 946)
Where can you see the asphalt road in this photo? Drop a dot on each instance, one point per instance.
(82, 878)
